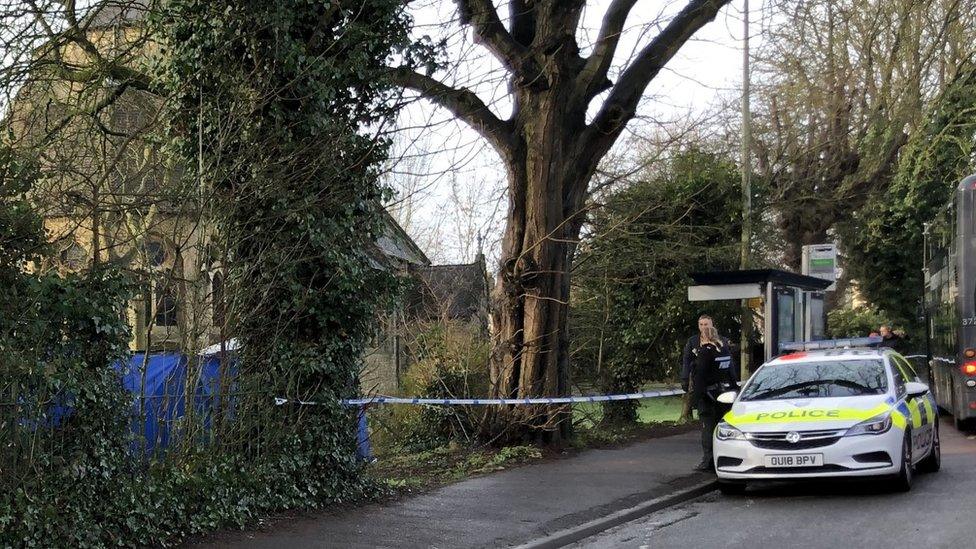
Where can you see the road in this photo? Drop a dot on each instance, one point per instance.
(938, 512)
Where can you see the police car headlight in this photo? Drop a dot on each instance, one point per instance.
(724, 431)
(874, 426)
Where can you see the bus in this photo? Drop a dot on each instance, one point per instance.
(950, 304)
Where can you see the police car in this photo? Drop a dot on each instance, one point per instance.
(828, 413)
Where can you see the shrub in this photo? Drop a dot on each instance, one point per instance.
(449, 360)
(849, 322)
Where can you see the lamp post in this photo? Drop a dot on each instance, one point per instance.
(746, 166)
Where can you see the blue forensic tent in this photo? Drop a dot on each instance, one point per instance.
(158, 384)
(208, 387)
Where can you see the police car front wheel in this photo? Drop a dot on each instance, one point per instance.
(903, 480)
(933, 461)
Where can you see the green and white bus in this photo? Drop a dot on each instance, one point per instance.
(950, 304)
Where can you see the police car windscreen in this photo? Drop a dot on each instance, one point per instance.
(836, 378)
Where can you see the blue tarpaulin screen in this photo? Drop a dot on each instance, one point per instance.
(158, 398)
(156, 415)
(162, 399)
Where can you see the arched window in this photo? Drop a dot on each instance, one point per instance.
(166, 305)
(162, 306)
(155, 253)
(217, 295)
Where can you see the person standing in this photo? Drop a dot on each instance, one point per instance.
(890, 339)
(711, 376)
(692, 347)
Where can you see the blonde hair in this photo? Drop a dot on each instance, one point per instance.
(711, 333)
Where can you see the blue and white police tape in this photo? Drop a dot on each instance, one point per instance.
(486, 401)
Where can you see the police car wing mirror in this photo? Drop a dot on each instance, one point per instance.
(728, 397)
(916, 389)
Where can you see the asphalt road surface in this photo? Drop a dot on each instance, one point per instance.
(940, 511)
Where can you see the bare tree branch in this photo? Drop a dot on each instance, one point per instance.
(463, 103)
(98, 67)
(593, 78)
(522, 21)
(482, 17)
(626, 93)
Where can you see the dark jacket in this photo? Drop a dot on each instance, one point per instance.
(712, 373)
(894, 342)
(691, 351)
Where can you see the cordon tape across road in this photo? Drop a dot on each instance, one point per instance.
(486, 401)
(381, 399)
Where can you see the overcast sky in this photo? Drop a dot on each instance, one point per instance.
(446, 164)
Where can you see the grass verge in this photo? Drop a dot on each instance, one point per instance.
(420, 471)
(401, 472)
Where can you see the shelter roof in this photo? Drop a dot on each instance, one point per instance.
(752, 276)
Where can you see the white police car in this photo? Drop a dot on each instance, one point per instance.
(828, 413)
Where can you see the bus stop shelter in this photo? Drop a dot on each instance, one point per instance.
(791, 304)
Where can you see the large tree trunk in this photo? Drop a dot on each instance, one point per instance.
(531, 295)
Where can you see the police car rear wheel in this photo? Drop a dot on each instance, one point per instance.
(732, 488)
(903, 481)
(933, 461)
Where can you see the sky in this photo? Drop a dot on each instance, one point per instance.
(451, 181)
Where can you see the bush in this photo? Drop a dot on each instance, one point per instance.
(848, 322)
(449, 360)
(63, 414)
(63, 440)
(630, 315)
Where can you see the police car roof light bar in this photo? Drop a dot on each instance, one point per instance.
(845, 343)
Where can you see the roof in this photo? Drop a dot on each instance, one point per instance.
(454, 291)
(110, 13)
(968, 183)
(721, 278)
(394, 242)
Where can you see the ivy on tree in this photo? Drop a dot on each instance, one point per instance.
(883, 241)
(272, 106)
(630, 314)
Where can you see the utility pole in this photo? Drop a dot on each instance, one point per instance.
(746, 165)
